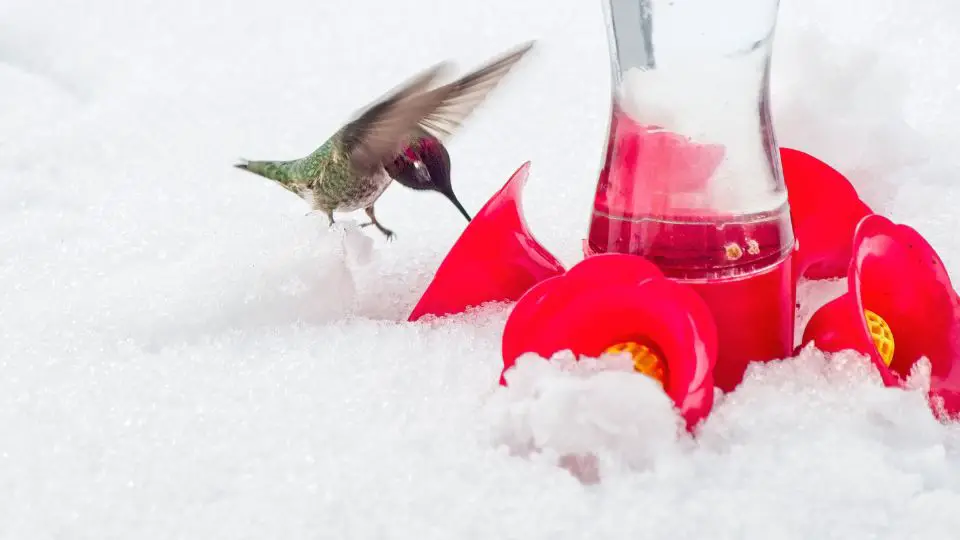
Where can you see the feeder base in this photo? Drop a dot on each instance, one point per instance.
(755, 318)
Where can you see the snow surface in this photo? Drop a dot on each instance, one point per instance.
(186, 354)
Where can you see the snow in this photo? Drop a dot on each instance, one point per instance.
(186, 353)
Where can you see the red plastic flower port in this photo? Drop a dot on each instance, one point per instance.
(495, 259)
(825, 210)
(900, 306)
(614, 302)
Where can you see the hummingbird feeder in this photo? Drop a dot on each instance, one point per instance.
(692, 178)
(701, 227)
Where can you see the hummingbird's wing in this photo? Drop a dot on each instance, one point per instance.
(467, 92)
(381, 131)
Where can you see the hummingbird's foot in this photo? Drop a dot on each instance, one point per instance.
(386, 232)
(373, 221)
(317, 211)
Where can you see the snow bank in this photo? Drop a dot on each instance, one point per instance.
(184, 352)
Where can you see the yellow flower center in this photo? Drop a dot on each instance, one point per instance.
(881, 334)
(645, 359)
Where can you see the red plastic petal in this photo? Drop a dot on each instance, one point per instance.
(825, 210)
(495, 259)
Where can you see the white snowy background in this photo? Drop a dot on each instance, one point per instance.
(185, 354)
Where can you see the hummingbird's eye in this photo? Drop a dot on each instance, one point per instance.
(421, 172)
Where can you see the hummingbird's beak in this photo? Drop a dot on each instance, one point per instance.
(453, 199)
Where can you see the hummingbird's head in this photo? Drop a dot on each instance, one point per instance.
(425, 166)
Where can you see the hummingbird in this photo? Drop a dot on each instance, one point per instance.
(398, 137)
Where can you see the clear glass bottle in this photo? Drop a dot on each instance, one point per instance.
(691, 178)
